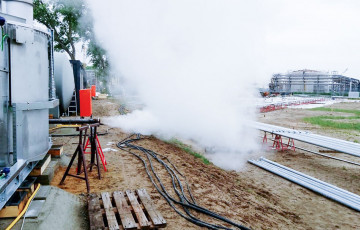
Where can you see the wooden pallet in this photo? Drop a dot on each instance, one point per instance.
(124, 210)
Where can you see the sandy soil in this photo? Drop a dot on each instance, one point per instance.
(253, 197)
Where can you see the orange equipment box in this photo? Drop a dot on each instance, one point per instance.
(85, 102)
(93, 90)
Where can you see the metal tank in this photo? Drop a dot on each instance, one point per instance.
(26, 94)
(64, 80)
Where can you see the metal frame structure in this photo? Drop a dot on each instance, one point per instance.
(347, 147)
(26, 95)
(23, 166)
(310, 81)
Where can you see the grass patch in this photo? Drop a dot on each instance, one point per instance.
(189, 150)
(353, 111)
(325, 122)
(330, 121)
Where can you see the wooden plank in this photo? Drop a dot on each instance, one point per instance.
(96, 220)
(112, 222)
(15, 205)
(40, 168)
(95, 214)
(106, 200)
(143, 221)
(56, 150)
(28, 185)
(328, 151)
(124, 210)
(94, 203)
(110, 215)
(155, 216)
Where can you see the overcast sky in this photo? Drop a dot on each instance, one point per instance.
(305, 34)
(313, 34)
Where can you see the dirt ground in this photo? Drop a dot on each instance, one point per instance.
(252, 197)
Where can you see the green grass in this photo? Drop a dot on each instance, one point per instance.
(319, 120)
(354, 111)
(332, 121)
(189, 150)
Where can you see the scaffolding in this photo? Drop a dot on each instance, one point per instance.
(310, 81)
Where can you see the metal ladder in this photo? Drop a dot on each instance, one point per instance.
(73, 105)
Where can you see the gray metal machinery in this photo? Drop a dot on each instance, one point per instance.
(27, 92)
(310, 81)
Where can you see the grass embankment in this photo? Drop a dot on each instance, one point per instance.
(189, 150)
(334, 121)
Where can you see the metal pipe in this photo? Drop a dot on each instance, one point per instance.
(311, 180)
(52, 89)
(9, 60)
(349, 199)
(74, 121)
(297, 179)
(320, 184)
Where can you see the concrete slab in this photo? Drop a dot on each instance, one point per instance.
(61, 210)
(43, 192)
(35, 209)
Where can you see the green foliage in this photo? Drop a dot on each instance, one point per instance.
(63, 16)
(333, 121)
(189, 150)
(72, 22)
(354, 111)
(99, 60)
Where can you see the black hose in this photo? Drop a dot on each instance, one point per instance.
(74, 121)
(202, 224)
(184, 202)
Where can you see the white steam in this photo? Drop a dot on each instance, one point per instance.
(193, 64)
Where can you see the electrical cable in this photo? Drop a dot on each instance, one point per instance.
(3, 37)
(187, 204)
(24, 210)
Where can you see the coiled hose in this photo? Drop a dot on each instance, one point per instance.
(182, 200)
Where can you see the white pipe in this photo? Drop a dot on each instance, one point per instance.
(349, 199)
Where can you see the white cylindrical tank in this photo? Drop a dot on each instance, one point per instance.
(20, 8)
(64, 80)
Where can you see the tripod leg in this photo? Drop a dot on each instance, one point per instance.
(79, 164)
(69, 166)
(93, 152)
(98, 163)
(81, 152)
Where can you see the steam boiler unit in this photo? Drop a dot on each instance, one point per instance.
(27, 92)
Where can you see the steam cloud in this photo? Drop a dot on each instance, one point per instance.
(193, 64)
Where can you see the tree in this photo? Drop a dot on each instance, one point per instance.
(98, 58)
(63, 16)
(72, 22)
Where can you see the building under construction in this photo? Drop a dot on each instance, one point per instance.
(311, 81)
